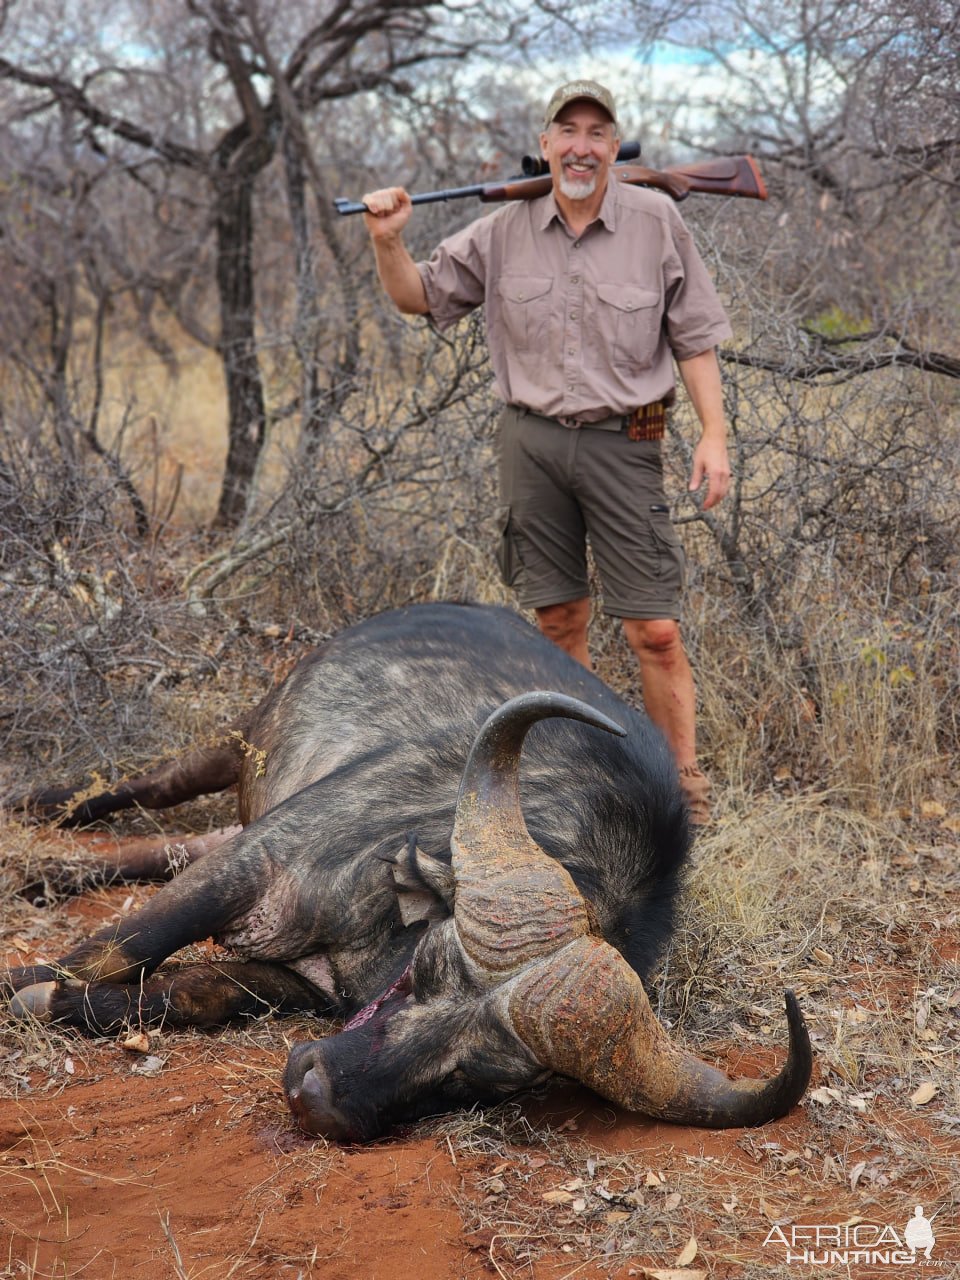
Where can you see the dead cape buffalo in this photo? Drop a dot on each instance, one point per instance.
(506, 939)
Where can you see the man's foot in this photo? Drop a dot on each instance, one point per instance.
(696, 791)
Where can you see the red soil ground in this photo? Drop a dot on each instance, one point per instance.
(185, 1163)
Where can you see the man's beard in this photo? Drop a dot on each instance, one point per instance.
(578, 188)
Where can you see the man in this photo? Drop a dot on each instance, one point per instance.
(591, 293)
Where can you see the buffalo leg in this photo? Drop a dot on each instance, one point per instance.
(197, 904)
(199, 772)
(149, 857)
(108, 859)
(203, 995)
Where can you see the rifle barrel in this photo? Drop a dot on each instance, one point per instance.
(345, 207)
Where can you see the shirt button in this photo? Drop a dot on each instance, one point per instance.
(574, 279)
(576, 244)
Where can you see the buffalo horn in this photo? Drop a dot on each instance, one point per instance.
(514, 903)
(586, 1015)
(571, 997)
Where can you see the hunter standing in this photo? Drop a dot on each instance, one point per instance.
(591, 293)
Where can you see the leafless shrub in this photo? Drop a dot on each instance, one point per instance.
(353, 521)
(93, 630)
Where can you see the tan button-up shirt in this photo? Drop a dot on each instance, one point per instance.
(580, 326)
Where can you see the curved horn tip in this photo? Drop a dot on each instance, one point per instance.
(577, 709)
(785, 1090)
(541, 704)
(494, 758)
(800, 1047)
(762, 1101)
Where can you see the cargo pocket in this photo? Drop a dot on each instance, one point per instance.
(669, 559)
(508, 558)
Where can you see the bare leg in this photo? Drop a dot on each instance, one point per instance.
(566, 625)
(667, 682)
(669, 697)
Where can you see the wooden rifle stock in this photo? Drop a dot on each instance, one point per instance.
(724, 176)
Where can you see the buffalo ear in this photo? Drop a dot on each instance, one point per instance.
(424, 884)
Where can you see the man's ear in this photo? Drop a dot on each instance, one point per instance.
(543, 144)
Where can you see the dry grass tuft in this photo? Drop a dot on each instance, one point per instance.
(798, 891)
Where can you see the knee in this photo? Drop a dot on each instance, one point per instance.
(657, 638)
(562, 622)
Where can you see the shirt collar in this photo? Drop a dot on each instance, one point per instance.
(608, 209)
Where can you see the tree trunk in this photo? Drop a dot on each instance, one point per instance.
(306, 320)
(246, 422)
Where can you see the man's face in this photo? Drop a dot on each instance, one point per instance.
(580, 145)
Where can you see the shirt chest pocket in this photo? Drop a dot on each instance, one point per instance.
(628, 320)
(525, 310)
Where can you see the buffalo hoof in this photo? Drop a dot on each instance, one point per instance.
(33, 1003)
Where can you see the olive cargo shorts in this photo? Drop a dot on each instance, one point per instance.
(560, 486)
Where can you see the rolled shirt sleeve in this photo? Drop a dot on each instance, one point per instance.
(454, 277)
(694, 317)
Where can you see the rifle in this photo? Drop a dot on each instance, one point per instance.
(724, 176)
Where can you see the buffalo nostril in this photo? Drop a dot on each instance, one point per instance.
(301, 1060)
(311, 1101)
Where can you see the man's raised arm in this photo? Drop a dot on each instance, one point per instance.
(389, 212)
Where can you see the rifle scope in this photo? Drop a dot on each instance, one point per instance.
(536, 166)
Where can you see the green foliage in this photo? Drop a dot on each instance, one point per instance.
(835, 324)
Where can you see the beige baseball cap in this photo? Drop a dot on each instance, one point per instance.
(576, 90)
